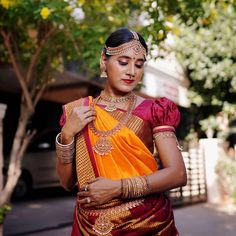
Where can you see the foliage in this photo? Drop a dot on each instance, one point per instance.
(206, 49)
(3, 211)
(226, 169)
(82, 39)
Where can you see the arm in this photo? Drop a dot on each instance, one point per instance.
(66, 171)
(173, 173)
(77, 120)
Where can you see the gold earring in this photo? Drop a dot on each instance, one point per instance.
(103, 74)
(103, 69)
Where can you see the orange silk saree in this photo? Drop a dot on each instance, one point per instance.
(129, 157)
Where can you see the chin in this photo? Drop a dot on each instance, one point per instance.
(127, 89)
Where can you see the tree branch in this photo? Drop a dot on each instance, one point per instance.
(6, 37)
(39, 94)
(37, 53)
(71, 37)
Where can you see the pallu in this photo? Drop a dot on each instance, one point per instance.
(130, 157)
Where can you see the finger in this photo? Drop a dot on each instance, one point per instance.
(81, 110)
(88, 109)
(85, 201)
(90, 204)
(85, 188)
(82, 201)
(90, 113)
(89, 119)
(83, 194)
(94, 180)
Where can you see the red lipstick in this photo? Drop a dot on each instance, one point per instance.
(128, 81)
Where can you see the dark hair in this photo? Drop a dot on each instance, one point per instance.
(123, 35)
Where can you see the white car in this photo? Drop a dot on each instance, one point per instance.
(39, 164)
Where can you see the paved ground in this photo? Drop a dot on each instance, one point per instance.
(53, 217)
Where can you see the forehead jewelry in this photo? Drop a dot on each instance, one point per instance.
(134, 45)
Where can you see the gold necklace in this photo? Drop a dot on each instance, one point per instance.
(103, 146)
(110, 107)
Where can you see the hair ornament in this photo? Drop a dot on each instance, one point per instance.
(134, 45)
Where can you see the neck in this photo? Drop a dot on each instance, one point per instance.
(115, 99)
(115, 94)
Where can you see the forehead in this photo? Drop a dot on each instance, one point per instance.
(130, 54)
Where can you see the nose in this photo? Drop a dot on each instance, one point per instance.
(131, 70)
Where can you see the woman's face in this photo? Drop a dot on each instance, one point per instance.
(124, 71)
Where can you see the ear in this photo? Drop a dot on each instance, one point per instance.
(104, 58)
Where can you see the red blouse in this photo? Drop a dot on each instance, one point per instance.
(159, 112)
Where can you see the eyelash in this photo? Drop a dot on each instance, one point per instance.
(126, 63)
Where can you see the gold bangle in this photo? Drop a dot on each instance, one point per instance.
(65, 152)
(135, 187)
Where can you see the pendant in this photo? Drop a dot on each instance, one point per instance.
(103, 225)
(110, 107)
(103, 146)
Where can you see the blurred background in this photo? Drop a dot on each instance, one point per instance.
(49, 55)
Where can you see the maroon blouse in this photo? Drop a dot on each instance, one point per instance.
(158, 112)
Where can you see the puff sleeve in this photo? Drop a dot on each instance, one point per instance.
(165, 114)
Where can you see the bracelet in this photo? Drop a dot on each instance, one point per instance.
(135, 187)
(168, 134)
(65, 152)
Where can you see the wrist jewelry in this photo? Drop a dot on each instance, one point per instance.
(135, 187)
(65, 152)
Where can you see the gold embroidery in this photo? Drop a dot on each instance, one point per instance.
(84, 167)
(103, 224)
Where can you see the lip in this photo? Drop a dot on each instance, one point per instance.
(128, 81)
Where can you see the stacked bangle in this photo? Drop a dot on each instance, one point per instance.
(135, 187)
(65, 152)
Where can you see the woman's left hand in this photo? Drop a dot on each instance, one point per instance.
(99, 191)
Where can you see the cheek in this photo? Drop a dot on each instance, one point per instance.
(140, 74)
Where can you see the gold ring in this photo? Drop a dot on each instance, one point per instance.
(88, 200)
(86, 187)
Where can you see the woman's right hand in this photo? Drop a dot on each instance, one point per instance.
(76, 121)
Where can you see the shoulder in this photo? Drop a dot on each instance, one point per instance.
(75, 103)
(165, 112)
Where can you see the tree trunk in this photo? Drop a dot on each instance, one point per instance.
(2, 114)
(18, 148)
(1, 229)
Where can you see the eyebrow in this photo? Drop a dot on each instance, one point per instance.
(127, 57)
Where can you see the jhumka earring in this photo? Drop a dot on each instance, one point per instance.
(103, 70)
(103, 74)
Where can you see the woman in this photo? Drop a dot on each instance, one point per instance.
(106, 146)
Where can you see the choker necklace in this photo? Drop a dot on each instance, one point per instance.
(104, 146)
(112, 100)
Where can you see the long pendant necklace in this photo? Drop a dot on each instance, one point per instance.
(103, 146)
(111, 106)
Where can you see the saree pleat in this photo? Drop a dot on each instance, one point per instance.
(130, 157)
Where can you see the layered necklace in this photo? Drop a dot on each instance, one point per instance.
(111, 106)
(103, 146)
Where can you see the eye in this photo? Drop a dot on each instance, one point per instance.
(123, 63)
(139, 66)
